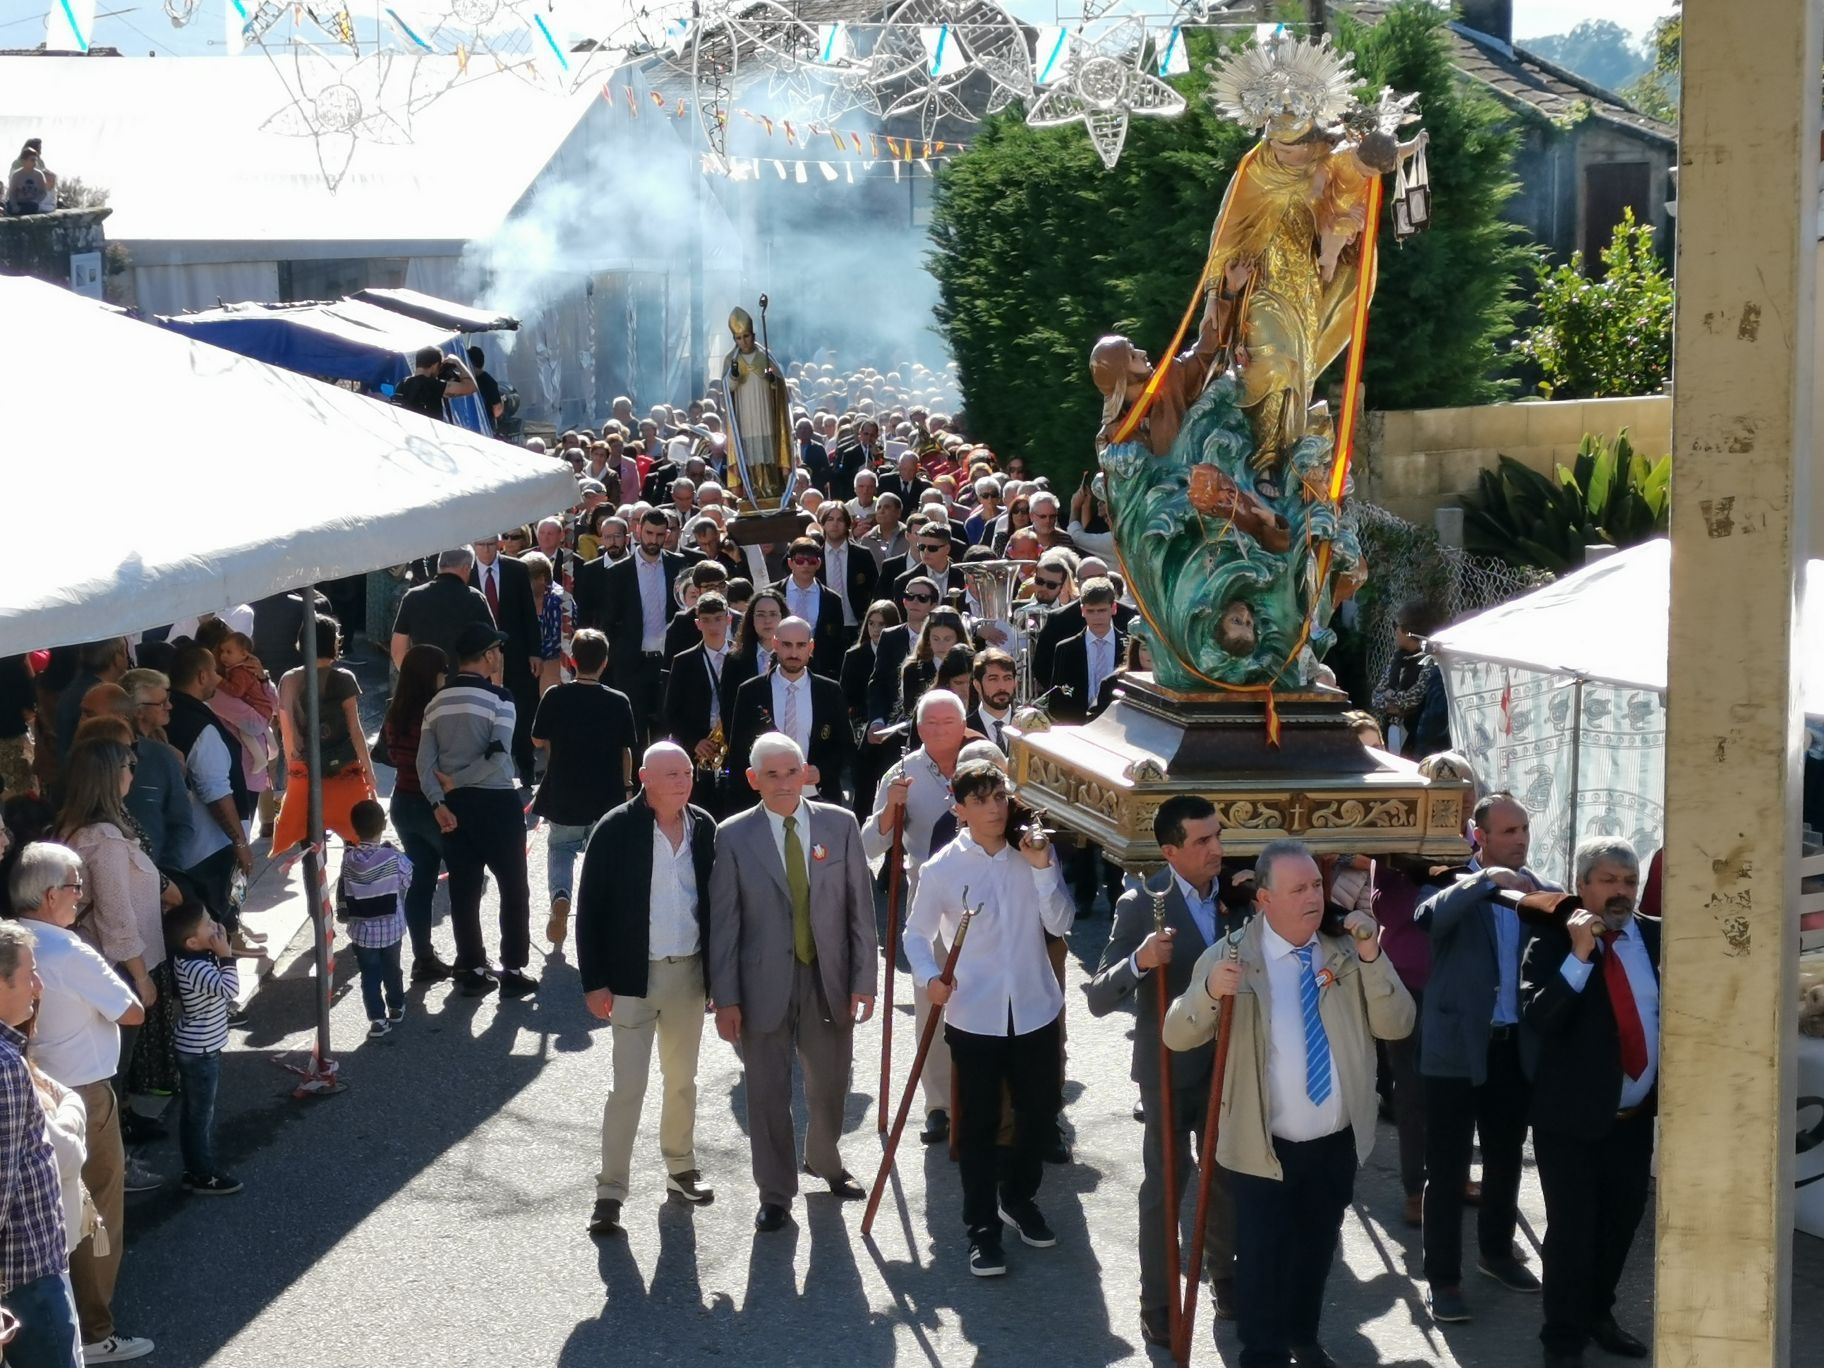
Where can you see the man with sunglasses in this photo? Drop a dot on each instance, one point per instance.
(932, 549)
(807, 597)
(891, 650)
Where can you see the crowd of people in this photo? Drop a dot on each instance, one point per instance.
(721, 739)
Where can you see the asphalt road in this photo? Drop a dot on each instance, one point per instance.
(434, 1213)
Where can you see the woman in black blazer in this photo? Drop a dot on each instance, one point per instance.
(857, 667)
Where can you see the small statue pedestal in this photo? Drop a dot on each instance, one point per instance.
(1104, 781)
(751, 527)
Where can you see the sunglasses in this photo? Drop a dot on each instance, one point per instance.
(933, 546)
(920, 598)
(806, 560)
(1048, 584)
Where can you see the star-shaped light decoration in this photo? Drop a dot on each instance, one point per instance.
(338, 104)
(1106, 86)
(981, 62)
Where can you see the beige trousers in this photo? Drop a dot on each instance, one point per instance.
(673, 1008)
(104, 1174)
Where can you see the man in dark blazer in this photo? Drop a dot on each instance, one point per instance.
(862, 451)
(642, 936)
(808, 597)
(637, 604)
(818, 718)
(905, 482)
(1083, 661)
(1065, 623)
(506, 584)
(1189, 833)
(1589, 1036)
(894, 646)
(847, 568)
(1469, 1057)
(700, 691)
(793, 967)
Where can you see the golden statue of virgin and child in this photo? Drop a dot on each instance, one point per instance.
(1220, 470)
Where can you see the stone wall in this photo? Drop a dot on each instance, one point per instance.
(1418, 460)
(41, 245)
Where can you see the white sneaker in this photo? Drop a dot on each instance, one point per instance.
(116, 1349)
(376, 1029)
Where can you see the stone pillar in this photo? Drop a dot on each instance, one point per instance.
(1742, 442)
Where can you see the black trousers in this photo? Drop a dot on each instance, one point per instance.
(1285, 1241)
(524, 688)
(1028, 1066)
(1409, 1101)
(212, 881)
(1595, 1195)
(642, 679)
(1456, 1111)
(490, 836)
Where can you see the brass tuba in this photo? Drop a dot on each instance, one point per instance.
(993, 585)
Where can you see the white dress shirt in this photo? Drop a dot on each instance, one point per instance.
(1632, 951)
(996, 725)
(1101, 650)
(1291, 1114)
(1003, 968)
(486, 573)
(801, 602)
(836, 575)
(673, 928)
(800, 690)
(652, 601)
(1203, 914)
(802, 831)
(77, 1041)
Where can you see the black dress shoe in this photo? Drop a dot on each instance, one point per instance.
(770, 1217)
(474, 983)
(937, 1127)
(432, 970)
(1139, 1112)
(606, 1218)
(514, 984)
(1612, 1338)
(1222, 1298)
(1312, 1356)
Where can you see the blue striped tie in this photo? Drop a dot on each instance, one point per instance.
(1317, 1044)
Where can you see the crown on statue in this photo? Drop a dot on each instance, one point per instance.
(1283, 78)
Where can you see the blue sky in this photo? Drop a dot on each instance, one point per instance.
(139, 26)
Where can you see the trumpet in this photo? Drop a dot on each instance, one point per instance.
(718, 760)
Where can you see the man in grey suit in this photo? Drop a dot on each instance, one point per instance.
(793, 961)
(1469, 1054)
(1189, 833)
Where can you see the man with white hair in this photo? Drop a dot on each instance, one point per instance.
(1589, 1031)
(684, 498)
(641, 932)
(866, 485)
(918, 789)
(1048, 523)
(434, 614)
(710, 495)
(792, 968)
(549, 535)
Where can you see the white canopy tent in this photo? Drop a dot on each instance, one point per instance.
(1559, 696)
(216, 480)
(202, 479)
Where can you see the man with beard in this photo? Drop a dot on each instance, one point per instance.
(791, 701)
(1469, 1055)
(996, 678)
(1589, 989)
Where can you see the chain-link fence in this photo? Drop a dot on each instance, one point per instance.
(1406, 561)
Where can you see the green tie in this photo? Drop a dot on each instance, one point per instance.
(798, 879)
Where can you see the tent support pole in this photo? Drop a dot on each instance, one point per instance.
(320, 1078)
(1570, 855)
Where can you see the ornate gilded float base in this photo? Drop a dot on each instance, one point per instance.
(1105, 781)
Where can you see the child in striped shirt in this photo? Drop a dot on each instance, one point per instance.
(206, 988)
(371, 895)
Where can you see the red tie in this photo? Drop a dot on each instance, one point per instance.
(1627, 1013)
(487, 583)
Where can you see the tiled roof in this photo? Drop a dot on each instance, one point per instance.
(1517, 77)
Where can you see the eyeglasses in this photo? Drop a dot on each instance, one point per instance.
(132, 765)
(72, 887)
(920, 598)
(155, 703)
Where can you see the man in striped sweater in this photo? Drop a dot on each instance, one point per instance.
(465, 765)
(206, 987)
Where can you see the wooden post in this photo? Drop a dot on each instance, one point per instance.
(1747, 230)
